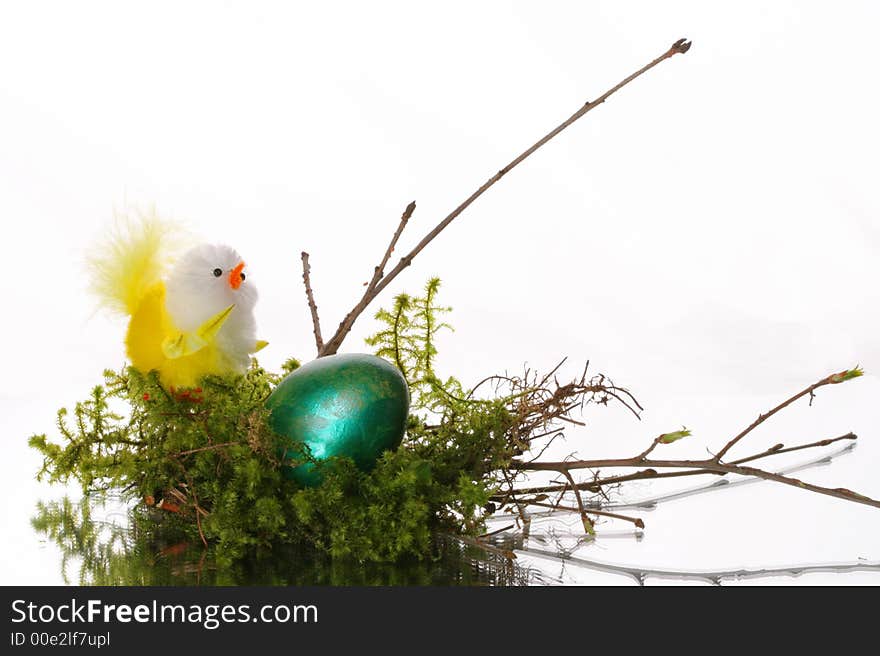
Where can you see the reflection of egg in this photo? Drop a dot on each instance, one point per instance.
(351, 404)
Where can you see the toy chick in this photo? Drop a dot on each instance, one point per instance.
(188, 318)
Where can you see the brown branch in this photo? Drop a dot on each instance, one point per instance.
(370, 292)
(725, 484)
(316, 324)
(191, 489)
(778, 448)
(523, 517)
(597, 484)
(604, 513)
(383, 280)
(828, 380)
(199, 525)
(380, 270)
(838, 492)
(204, 448)
(707, 465)
(644, 454)
(586, 521)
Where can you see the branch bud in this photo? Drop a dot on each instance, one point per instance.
(846, 375)
(669, 438)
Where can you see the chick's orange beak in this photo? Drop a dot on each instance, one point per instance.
(235, 276)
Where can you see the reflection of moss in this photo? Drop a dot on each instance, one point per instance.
(107, 552)
(144, 551)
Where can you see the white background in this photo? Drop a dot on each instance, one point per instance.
(708, 237)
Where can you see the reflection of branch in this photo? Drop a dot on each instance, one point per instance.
(381, 281)
(724, 484)
(191, 491)
(641, 574)
(485, 546)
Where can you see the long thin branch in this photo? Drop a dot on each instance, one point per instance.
(651, 502)
(633, 520)
(708, 465)
(597, 484)
(778, 448)
(379, 273)
(586, 521)
(723, 484)
(370, 292)
(316, 324)
(833, 379)
(332, 346)
(210, 447)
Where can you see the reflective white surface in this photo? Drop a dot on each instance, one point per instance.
(708, 237)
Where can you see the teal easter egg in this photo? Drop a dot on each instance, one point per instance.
(350, 404)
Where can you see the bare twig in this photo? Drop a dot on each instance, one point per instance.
(212, 447)
(778, 448)
(536, 406)
(644, 454)
(599, 483)
(707, 465)
(586, 521)
(604, 513)
(380, 270)
(191, 490)
(316, 324)
(383, 280)
(833, 379)
(652, 502)
(370, 292)
(725, 484)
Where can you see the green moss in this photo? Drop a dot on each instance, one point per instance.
(209, 460)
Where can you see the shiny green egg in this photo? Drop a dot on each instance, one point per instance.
(350, 404)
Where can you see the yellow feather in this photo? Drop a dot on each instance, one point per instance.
(150, 325)
(130, 261)
(180, 344)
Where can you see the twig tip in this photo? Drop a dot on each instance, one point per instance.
(681, 46)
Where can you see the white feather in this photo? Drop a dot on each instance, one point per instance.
(194, 294)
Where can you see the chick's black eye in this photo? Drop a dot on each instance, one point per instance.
(243, 277)
(218, 273)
